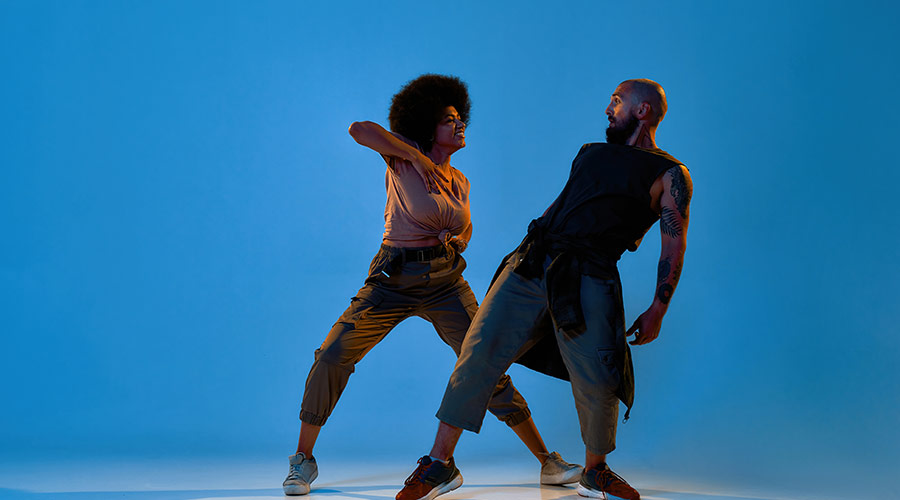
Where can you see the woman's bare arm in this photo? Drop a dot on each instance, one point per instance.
(376, 138)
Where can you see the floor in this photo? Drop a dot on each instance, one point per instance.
(167, 479)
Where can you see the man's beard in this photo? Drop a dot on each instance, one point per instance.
(620, 135)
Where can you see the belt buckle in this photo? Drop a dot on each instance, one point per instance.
(420, 255)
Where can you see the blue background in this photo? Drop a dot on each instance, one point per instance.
(184, 216)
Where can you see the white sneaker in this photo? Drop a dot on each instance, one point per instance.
(303, 471)
(557, 471)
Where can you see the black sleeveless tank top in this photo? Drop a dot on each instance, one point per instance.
(604, 209)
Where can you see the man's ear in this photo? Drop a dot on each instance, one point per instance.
(643, 110)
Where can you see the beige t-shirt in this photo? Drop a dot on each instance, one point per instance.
(412, 213)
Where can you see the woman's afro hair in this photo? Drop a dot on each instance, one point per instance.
(417, 108)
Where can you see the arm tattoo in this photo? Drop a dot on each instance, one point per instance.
(680, 190)
(664, 293)
(665, 267)
(669, 223)
(667, 277)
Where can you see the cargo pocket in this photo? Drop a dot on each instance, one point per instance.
(360, 306)
(608, 369)
(469, 303)
(344, 345)
(380, 267)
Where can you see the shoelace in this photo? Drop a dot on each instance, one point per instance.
(418, 475)
(604, 477)
(557, 459)
(295, 472)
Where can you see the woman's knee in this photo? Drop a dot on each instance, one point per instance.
(338, 348)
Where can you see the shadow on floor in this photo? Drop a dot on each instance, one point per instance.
(364, 492)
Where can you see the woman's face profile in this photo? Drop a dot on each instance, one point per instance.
(450, 132)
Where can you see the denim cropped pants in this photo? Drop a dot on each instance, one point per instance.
(504, 328)
(394, 290)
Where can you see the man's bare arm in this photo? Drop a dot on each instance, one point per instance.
(673, 223)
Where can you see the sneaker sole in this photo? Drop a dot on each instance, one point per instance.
(444, 488)
(586, 492)
(296, 489)
(300, 489)
(568, 477)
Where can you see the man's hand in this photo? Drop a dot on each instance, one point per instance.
(429, 173)
(646, 326)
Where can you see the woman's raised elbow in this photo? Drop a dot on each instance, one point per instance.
(357, 129)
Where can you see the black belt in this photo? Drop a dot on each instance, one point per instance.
(423, 254)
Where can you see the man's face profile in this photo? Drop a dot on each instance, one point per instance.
(622, 122)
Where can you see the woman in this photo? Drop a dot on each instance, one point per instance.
(417, 271)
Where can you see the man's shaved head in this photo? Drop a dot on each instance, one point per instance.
(644, 90)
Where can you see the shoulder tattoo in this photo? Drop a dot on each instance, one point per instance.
(680, 190)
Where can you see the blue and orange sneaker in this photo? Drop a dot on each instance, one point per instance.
(602, 482)
(430, 479)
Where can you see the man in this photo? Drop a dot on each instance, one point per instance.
(556, 303)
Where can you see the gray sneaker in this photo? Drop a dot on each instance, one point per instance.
(557, 471)
(303, 471)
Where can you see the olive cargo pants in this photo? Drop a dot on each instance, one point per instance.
(395, 290)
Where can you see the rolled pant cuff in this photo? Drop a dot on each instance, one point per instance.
(516, 418)
(476, 428)
(604, 450)
(312, 418)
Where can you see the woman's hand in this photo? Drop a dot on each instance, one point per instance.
(429, 172)
(461, 240)
(459, 244)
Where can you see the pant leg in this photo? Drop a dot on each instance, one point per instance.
(591, 360)
(371, 315)
(451, 313)
(501, 330)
